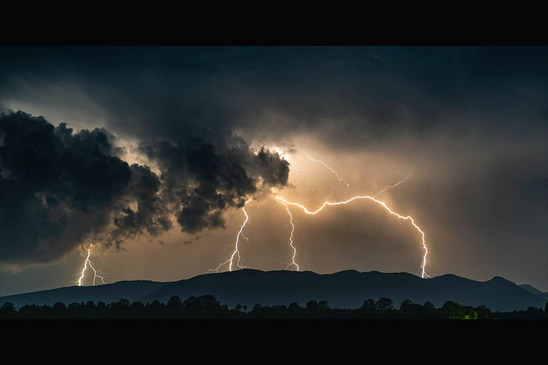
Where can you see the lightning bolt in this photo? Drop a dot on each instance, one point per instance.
(291, 215)
(285, 203)
(334, 173)
(381, 203)
(291, 237)
(236, 251)
(393, 186)
(339, 179)
(87, 263)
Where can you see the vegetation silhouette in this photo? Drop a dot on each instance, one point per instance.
(208, 307)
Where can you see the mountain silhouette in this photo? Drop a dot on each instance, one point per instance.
(345, 289)
(538, 293)
(107, 293)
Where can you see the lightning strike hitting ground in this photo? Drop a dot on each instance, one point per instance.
(409, 218)
(95, 271)
(236, 251)
(291, 238)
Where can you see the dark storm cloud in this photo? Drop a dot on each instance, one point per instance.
(347, 96)
(204, 180)
(59, 188)
(164, 97)
(358, 96)
(150, 216)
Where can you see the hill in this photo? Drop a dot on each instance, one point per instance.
(345, 289)
(131, 290)
(538, 293)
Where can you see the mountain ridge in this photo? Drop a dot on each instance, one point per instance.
(343, 289)
(531, 289)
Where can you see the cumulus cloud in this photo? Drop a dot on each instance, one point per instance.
(56, 188)
(59, 189)
(202, 180)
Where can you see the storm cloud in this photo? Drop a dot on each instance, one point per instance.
(204, 180)
(59, 189)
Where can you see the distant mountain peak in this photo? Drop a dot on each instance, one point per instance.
(500, 279)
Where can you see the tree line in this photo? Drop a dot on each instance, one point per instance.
(208, 307)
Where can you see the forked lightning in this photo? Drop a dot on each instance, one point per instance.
(87, 263)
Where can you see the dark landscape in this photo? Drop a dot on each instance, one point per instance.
(287, 294)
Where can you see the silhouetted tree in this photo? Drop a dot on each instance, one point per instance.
(448, 308)
(59, 310)
(484, 312)
(406, 304)
(312, 309)
(137, 310)
(120, 305)
(7, 310)
(75, 309)
(385, 304)
(191, 304)
(369, 305)
(30, 311)
(175, 302)
(408, 309)
(156, 306)
(467, 313)
(312, 306)
(533, 313)
(454, 310)
(294, 309)
(137, 305)
(257, 311)
(323, 306)
(205, 305)
(60, 307)
(90, 306)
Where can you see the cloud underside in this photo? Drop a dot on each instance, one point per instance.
(60, 189)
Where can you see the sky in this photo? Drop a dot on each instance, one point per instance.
(148, 156)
